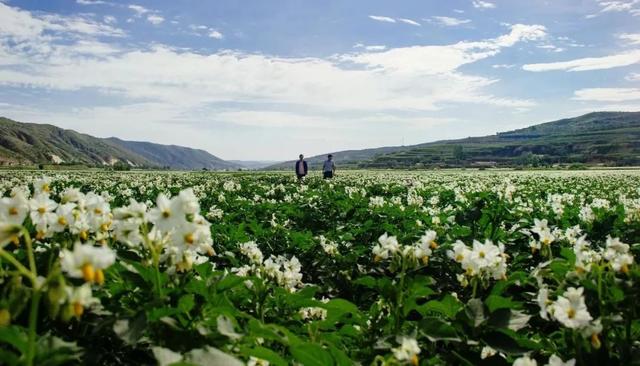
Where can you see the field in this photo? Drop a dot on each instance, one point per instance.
(370, 268)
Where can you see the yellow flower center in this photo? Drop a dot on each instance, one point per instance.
(13, 211)
(78, 309)
(595, 341)
(414, 360)
(88, 273)
(434, 245)
(105, 226)
(42, 210)
(166, 214)
(99, 277)
(189, 239)
(571, 313)
(62, 221)
(481, 254)
(459, 258)
(97, 211)
(45, 188)
(84, 235)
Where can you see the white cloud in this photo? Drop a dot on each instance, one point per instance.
(617, 6)
(503, 66)
(155, 19)
(109, 19)
(607, 94)
(630, 6)
(139, 10)
(479, 4)
(382, 18)
(634, 76)
(630, 38)
(91, 2)
(450, 21)
(409, 21)
(375, 48)
(589, 63)
(367, 86)
(216, 35)
(20, 25)
(370, 47)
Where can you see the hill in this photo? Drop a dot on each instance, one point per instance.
(31, 143)
(611, 138)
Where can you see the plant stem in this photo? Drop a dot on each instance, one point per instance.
(33, 321)
(30, 256)
(22, 269)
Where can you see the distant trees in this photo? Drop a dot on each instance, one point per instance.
(458, 153)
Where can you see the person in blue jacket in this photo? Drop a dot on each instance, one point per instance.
(301, 168)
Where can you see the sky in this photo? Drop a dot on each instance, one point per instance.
(270, 79)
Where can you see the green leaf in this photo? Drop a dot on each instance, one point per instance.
(475, 312)
(310, 354)
(448, 306)
(366, 281)
(14, 336)
(437, 329)
(186, 303)
(265, 354)
(165, 356)
(508, 342)
(494, 303)
(226, 328)
(339, 356)
(211, 356)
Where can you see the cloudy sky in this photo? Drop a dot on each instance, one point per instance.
(269, 79)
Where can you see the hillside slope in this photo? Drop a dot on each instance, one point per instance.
(611, 138)
(31, 143)
(176, 157)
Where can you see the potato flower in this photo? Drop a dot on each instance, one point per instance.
(408, 350)
(570, 309)
(87, 261)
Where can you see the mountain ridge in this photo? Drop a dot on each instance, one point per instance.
(568, 140)
(24, 143)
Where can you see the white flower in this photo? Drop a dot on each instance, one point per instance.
(487, 352)
(87, 262)
(525, 361)
(543, 302)
(14, 210)
(42, 215)
(251, 250)
(79, 298)
(407, 351)
(167, 214)
(313, 313)
(42, 185)
(539, 226)
(617, 253)
(254, 361)
(376, 202)
(386, 245)
(64, 217)
(557, 361)
(570, 309)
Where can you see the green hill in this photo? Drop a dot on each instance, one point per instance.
(611, 138)
(31, 143)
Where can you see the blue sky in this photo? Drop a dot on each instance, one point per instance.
(267, 79)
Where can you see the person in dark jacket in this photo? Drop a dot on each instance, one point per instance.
(301, 168)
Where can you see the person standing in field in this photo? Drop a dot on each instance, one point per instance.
(301, 168)
(328, 168)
